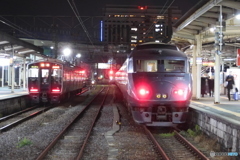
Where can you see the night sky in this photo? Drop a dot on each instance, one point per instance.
(85, 7)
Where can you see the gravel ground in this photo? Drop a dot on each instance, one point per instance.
(128, 143)
(97, 148)
(39, 130)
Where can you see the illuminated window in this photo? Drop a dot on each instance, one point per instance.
(134, 37)
(134, 41)
(142, 15)
(157, 29)
(156, 40)
(132, 15)
(140, 41)
(134, 29)
(157, 25)
(160, 17)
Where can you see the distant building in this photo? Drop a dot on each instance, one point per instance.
(126, 26)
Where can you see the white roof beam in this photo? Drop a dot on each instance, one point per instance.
(224, 10)
(194, 27)
(231, 4)
(211, 15)
(201, 24)
(207, 20)
(190, 31)
(185, 36)
(198, 13)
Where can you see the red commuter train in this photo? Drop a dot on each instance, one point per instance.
(53, 80)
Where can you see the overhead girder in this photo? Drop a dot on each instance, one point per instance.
(224, 10)
(231, 4)
(201, 24)
(207, 20)
(182, 35)
(190, 31)
(194, 27)
(198, 13)
(211, 15)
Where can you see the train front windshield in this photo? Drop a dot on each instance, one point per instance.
(160, 66)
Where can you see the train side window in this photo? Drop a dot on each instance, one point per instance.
(130, 66)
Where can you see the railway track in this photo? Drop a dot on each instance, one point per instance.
(175, 147)
(71, 141)
(14, 119)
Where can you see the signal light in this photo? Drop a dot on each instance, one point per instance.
(44, 65)
(143, 92)
(111, 72)
(56, 90)
(55, 67)
(33, 90)
(179, 92)
(82, 72)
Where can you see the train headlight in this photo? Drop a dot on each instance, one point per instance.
(179, 92)
(164, 96)
(143, 92)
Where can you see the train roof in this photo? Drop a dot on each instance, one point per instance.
(156, 53)
(157, 45)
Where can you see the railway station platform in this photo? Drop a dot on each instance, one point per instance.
(219, 121)
(6, 93)
(229, 110)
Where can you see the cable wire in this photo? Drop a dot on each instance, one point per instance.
(157, 20)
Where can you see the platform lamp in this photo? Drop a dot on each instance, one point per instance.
(78, 56)
(238, 15)
(66, 52)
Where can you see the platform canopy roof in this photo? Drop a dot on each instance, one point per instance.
(11, 46)
(203, 17)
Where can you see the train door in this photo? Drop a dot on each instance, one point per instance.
(45, 83)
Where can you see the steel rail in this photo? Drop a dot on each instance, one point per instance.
(15, 123)
(55, 140)
(90, 130)
(183, 140)
(17, 113)
(159, 148)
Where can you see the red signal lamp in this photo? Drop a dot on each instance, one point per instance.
(56, 90)
(111, 72)
(34, 90)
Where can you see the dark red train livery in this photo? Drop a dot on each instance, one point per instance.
(52, 80)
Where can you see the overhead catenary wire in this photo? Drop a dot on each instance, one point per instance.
(156, 21)
(12, 25)
(75, 11)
